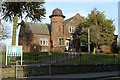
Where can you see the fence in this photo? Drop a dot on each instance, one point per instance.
(63, 58)
(45, 64)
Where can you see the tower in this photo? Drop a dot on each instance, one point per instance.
(57, 30)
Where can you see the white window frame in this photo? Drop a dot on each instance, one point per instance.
(41, 40)
(46, 41)
(71, 29)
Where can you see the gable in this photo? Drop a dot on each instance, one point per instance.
(71, 24)
(68, 20)
(80, 18)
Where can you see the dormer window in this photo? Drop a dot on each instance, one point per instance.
(71, 29)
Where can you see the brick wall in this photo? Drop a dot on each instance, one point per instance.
(106, 49)
(57, 32)
(77, 19)
(34, 39)
(74, 22)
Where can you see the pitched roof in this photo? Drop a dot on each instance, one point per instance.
(68, 20)
(36, 28)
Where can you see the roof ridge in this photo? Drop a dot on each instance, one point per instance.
(35, 22)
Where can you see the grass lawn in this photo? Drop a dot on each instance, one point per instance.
(35, 57)
(94, 59)
(39, 57)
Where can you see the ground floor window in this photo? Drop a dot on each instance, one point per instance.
(44, 41)
(61, 42)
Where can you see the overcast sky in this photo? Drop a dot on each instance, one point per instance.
(71, 8)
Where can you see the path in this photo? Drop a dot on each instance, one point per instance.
(70, 56)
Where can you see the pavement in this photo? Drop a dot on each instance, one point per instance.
(114, 75)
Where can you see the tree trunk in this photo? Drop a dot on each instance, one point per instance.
(14, 30)
(94, 50)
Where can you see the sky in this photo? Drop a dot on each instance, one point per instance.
(71, 8)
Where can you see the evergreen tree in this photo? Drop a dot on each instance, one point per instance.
(12, 11)
(101, 29)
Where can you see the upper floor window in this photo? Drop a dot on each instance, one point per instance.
(71, 29)
(44, 41)
(59, 29)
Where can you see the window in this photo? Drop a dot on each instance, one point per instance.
(43, 41)
(61, 41)
(40, 41)
(71, 29)
(46, 41)
(59, 29)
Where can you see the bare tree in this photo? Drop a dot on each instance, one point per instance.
(4, 32)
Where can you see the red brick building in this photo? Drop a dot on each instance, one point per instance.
(56, 36)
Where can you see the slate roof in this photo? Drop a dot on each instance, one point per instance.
(41, 28)
(68, 20)
(36, 28)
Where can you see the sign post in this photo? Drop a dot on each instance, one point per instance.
(14, 51)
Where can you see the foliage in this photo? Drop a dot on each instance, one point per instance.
(4, 31)
(32, 10)
(101, 29)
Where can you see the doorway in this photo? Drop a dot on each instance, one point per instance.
(67, 44)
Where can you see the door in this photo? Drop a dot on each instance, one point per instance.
(67, 45)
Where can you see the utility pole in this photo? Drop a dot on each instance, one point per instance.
(89, 40)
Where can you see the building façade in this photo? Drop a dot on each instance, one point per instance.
(57, 36)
